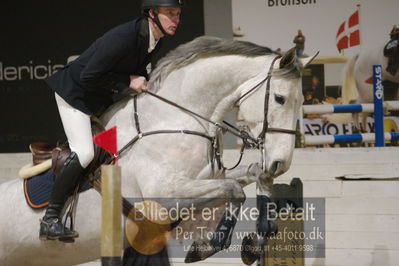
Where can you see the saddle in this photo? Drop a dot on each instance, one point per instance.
(47, 161)
(47, 155)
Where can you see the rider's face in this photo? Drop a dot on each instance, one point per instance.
(169, 18)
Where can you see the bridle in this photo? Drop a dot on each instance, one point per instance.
(265, 128)
(248, 140)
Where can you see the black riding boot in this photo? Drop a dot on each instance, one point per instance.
(51, 226)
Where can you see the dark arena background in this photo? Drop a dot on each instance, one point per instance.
(38, 37)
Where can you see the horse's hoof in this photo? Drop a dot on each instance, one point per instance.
(268, 228)
(273, 228)
(200, 250)
(251, 250)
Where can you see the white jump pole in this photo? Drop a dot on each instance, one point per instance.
(339, 139)
(347, 108)
(377, 108)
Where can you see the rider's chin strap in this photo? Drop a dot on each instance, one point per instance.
(158, 23)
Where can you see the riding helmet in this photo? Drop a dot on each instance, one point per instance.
(148, 4)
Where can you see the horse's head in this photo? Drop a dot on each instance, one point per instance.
(275, 123)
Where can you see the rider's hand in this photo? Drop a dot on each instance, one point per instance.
(138, 83)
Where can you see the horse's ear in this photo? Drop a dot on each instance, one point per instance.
(306, 61)
(288, 58)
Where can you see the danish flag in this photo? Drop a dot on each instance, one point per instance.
(348, 34)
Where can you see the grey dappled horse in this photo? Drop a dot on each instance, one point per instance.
(207, 76)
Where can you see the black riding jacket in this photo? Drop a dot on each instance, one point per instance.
(89, 82)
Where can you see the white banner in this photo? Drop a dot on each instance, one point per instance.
(319, 126)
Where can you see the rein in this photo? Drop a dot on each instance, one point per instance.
(223, 127)
(243, 134)
(213, 140)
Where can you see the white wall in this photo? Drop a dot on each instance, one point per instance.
(218, 18)
(276, 26)
(218, 22)
(362, 217)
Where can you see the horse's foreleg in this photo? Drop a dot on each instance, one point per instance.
(202, 193)
(264, 225)
(253, 246)
(254, 173)
(356, 123)
(364, 122)
(245, 174)
(221, 238)
(364, 126)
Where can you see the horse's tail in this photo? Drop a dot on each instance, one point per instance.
(349, 92)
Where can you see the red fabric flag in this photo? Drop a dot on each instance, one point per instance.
(354, 38)
(342, 43)
(341, 29)
(354, 19)
(348, 34)
(108, 140)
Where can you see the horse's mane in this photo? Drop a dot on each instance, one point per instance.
(202, 47)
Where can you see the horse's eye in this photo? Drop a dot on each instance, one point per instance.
(279, 99)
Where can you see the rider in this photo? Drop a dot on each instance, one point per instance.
(84, 87)
(391, 51)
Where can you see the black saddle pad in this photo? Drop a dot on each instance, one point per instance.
(38, 189)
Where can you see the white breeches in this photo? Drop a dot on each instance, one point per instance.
(78, 131)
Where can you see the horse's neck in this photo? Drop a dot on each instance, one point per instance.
(209, 86)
